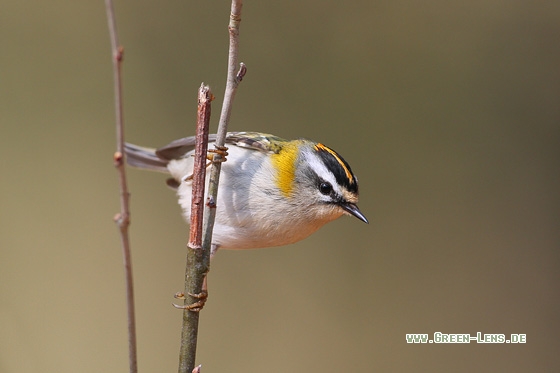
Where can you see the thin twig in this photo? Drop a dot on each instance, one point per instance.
(198, 260)
(123, 218)
(235, 75)
(198, 255)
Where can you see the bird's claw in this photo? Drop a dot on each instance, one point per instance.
(219, 150)
(193, 307)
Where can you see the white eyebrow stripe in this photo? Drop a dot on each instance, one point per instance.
(317, 165)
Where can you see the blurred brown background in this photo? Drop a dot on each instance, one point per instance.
(448, 112)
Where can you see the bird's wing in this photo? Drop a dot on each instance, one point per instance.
(255, 140)
(251, 140)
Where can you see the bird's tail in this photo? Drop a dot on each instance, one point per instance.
(141, 157)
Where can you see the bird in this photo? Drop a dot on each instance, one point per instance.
(272, 191)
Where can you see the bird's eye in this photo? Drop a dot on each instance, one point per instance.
(325, 188)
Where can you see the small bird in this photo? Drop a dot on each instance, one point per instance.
(272, 191)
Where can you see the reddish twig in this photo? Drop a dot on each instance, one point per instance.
(198, 260)
(123, 218)
(199, 264)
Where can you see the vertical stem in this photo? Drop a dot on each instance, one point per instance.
(123, 218)
(198, 254)
(198, 259)
(234, 77)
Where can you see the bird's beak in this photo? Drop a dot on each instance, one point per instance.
(352, 209)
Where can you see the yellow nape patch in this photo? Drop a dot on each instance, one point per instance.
(285, 164)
